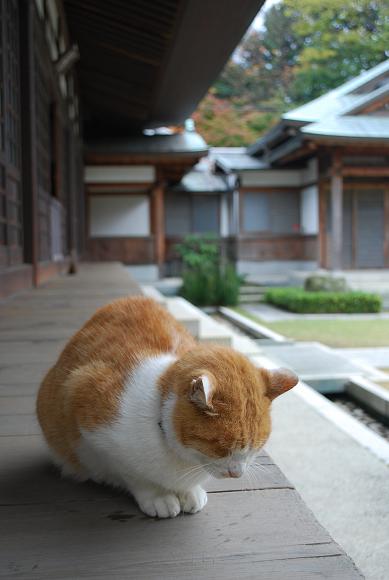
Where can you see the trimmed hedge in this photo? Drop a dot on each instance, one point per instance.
(303, 302)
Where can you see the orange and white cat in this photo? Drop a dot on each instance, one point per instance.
(134, 401)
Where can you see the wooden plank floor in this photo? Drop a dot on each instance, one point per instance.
(52, 528)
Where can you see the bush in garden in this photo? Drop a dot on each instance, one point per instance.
(206, 280)
(301, 301)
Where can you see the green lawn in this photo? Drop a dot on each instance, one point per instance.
(335, 333)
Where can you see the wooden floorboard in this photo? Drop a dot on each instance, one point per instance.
(53, 528)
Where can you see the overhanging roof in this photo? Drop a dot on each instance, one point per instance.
(178, 144)
(147, 63)
(361, 127)
(235, 159)
(346, 98)
(201, 182)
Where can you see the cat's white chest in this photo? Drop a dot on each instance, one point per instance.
(133, 448)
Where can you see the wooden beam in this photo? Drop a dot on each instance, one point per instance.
(336, 211)
(349, 171)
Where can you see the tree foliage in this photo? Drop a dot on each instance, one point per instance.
(305, 49)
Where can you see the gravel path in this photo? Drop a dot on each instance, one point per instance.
(363, 416)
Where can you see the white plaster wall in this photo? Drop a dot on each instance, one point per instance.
(311, 173)
(119, 216)
(119, 174)
(309, 210)
(282, 177)
(224, 217)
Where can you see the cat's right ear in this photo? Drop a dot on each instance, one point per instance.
(279, 381)
(201, 394)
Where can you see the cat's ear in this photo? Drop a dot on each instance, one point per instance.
(279, 381)
(201, 393)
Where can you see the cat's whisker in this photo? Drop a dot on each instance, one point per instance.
(253, 478)
(195, 470)
(260, 467)
(248, 475)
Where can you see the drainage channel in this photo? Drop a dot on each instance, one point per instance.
(353, 408)
(340, 397)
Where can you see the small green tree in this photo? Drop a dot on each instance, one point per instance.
(206, 281)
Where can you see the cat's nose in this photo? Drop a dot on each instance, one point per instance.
(235, 471)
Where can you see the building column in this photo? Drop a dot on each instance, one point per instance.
(29, 154)
(386, 230)
(336, 211)
(158, 223)
(323, 202)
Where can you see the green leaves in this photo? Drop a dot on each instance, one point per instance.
(305, 49)
(303, 302)
(207, 281)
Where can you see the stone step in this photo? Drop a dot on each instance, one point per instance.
(153, 293)
(249, 298)
(199, 324)
(186, 313)
(253, 289)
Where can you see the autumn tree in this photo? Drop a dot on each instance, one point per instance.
(305, 48)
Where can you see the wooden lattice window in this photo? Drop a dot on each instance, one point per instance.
(11, 226)
(43, 142)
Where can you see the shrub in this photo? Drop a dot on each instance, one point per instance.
(206, 281)
(298, 300)
(228, 287)
(318, 283)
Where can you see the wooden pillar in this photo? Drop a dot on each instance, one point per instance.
(386, 227)
(322, 192)
(158, 223)
(29, 156)
(336, 211)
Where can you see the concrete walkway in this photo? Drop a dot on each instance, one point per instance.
(375, 357)
(345, 485)
(55, 529)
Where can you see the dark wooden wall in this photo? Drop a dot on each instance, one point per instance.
(11, 227)
(41, 190)
(282, 247)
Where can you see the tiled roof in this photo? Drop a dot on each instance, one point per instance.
(201, 182)
(346, 98)
(235, 159)
(350, 127)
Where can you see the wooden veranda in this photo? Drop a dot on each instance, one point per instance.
(52, 528)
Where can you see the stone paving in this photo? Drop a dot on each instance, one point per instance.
(376, 357)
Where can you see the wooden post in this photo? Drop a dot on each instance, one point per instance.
(322, 211)
(158, 223)
(29, 160)
(336, 211)
(386, 227)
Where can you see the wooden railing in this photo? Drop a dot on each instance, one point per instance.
(283, 247)
(137, 250)
(250, 248)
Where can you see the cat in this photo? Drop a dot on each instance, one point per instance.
(134, 401)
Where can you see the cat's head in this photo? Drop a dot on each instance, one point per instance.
(216, 408)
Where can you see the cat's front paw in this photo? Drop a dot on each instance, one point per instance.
(193, 500)
(163, 506)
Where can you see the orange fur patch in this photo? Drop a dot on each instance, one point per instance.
(84, 387)
(239, 402)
